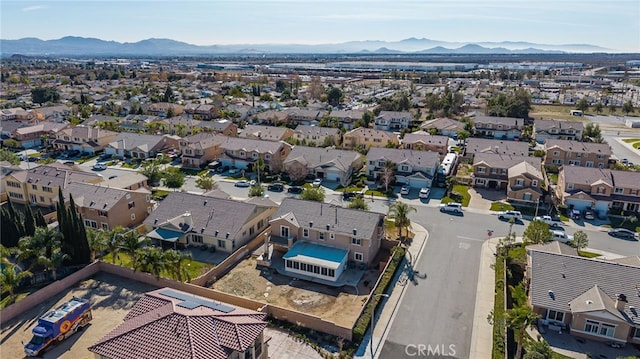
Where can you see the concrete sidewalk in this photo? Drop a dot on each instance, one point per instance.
(388, 306)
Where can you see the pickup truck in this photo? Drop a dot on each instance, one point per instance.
(548, 220)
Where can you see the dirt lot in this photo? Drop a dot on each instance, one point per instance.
(111, 297)
(340, 305)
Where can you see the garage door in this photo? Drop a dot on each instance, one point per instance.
(419, 183)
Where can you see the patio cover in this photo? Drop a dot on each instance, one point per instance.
(317, 254)
(165, 235)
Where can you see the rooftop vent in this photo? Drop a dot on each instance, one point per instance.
(355, 231)
(311, 224)
(216, 234)
(552, 295)
(328, 227)
(228, 234)
(155, 221)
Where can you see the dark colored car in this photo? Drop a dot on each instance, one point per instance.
(347, 196)
(276, 187)
(622, 233)
(295, 190)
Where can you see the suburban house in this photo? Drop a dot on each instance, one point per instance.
(414, 168)
(141, 146)
(320, 136)
(187, 219)
(497, 171)
(423, 141)
(483, 145)
(444, 126)
(104, 207)
(84, 139)
(504, 128)
(329, 163)
(17, 114)
(366, 138)
(32, 136)
(574, 153)
(200, 149)
(526, 182)
(591, 298)
(136, 123)
(557, 130)
(303, 116)
(202, 111)
(182, 125)
(320, 240)
(244, 152)
(131, 180)
(164, 109)
(39, 185)
(392, 120)
(269, 117)
(347, 118)
(598, 189)
(168, 323)
(56, 113)
(267, 133)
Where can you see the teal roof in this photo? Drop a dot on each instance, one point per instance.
(317, 254)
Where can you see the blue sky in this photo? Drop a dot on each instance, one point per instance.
(610, 24)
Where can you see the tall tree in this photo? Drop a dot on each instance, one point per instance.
(150, 260)
(174, 261)
(313, 194)
(11, 225)
(537, 233)
(400, 212)
(519, 319)
(29, 222)
(205, 182)
(71, 224)
(580, 240)
(130, 244)
(173, 178)
(387, 176)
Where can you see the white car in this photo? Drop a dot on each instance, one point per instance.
(451, 207)
(317, 182)
(243, 183)
(404, 190)
(510, 214)
(99, 167)
(560, 236)
(424, 193)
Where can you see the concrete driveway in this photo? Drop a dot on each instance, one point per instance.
(482, 198)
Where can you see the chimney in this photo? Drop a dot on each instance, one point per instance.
(621, 301)
(188, 221)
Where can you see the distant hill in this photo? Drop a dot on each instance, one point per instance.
(82, 46)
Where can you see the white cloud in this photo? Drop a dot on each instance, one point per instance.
(34, 8)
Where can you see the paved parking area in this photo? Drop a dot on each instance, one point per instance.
(284, 346)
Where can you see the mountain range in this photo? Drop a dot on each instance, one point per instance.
(82, 46)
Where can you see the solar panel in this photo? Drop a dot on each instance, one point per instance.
(191, 302)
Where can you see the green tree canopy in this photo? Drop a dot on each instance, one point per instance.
(516, 104)
(6, 155)
(173, 178)
(334, 96)
(313, 194)
(537, 233)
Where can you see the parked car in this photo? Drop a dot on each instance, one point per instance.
(560, 236)
(253, 183)
(507, 215)
(424, 193)
(548, 220)
(347, 196)
(317, 182)
(622, 233)
(575, 214)
(243, 183)
(222, 169)
(295, 190)
(276, 187)
(588, 214)
(451, 207)
(99, 167)
(70, 163)
(404, 190)
(33, 159)
(233, 171)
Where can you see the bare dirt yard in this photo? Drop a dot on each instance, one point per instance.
(341, 305)
(111, 296)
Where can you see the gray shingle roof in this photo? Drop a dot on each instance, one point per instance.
(425, 159)
(578, 147)
(505, 161)
(227, 216)
(129, 141)
(315, 130)
(317, 157)
(481, 145)
(545, 125)
(342, 220)
(93, 196)
(426, 138)
(557, 279)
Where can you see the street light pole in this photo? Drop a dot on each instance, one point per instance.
(373, 319)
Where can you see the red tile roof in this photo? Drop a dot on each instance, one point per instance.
(158, 326)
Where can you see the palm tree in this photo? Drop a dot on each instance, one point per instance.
(112, 244)
(44, 242)
(151, 261)
(97, 241)
(400, 211)
(10, 279)
(130, 244)
(174, 261)
(54, 262)
(518, 319)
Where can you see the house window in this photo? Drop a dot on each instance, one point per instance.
(223, 244)
(526, 197)
(242, 154)
(619, 190)
(588, 164)
(321, 236)
(494, 171)
(90, 223)
(482, 170)
(404, 168)
(305, 233)
(34, 187)
(569, 186)
(102, 213)
(196, 238)
(254, 155)
(132, 204)
(133, 216)
(13, 184)
(332, 236)
(600, 190)
(42, 199)
(556, 153)
(556, 161)
(519, 182)
(251, 231)
(47, 189)
(148, 198)
(534, 183)
(480, 181)
(267, 157)
(637, 334)
(105, 226)
(15, 195)
(358, 256)
(356, 241)
(555, 316)
(602, 329)
(332, 273)
(634, 192)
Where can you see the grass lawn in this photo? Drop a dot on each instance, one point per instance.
(194, 268)
(6, 299)
(159, 194)
(501, 206)
(349, 189)
(553, 177)
(561, 112)
(130, 165)
(631, 140)
(375, 193)
(588, 254)
(463, 192)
